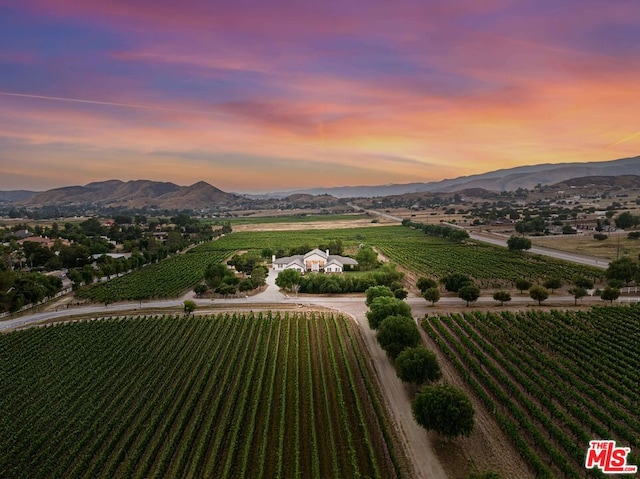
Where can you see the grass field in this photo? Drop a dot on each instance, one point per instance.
(615, 246)
(232, 395)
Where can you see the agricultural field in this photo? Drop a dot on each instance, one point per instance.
(301, 218)
(553, 380)
(165, 279)
(231, 395)
(490, 265)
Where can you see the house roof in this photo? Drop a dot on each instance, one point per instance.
(298, 259)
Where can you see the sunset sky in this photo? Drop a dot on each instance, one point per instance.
(255, 96)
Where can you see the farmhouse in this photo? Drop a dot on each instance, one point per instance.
(315, 261)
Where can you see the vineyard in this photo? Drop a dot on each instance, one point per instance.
(264, 395)
(490, 266)
(422, 254)
(553, 380)
(166, 279)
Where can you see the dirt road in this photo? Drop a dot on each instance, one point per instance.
(416, 440)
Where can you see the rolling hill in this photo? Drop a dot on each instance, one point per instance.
(136, 194)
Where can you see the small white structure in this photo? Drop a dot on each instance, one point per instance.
(314, 261)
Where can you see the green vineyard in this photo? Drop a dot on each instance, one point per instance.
(553, 380)
(490, 266)
(166, 279)
(420, 253)
(256, 395)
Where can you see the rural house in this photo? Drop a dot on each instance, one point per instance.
(315, 261)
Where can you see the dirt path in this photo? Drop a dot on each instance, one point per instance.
(418, 444)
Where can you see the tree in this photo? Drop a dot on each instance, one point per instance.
(538, 293)
(376, 292)
(523, 284)
(418, 365)
(626, 220)
(577, 292)
(226, 289)
(424, 284)
(259, 276)
(552, 284)
(610, 294)
(397, 333)
(518, 243)
(502, 296)
(469, 292)
(583, 282)
(623, 269)
(367, 258)
(454, 281)
(215, 273)
(188, 306)
(432, 294)
(200, 289)
(443, 409)
(383, 307)
(400, 293)
(75, 276)
(289, 279)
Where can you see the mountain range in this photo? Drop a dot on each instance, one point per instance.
(165, 195)
(508, 179)
(136, 194)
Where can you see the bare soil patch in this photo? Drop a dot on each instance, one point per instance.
(320, 225)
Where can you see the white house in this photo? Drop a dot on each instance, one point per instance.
(314, 261)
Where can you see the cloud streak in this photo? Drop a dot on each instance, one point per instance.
(258, 95)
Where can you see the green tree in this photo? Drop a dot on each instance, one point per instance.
(226, 289)
(469, 292)
(577, 292)
(432, 294)
(215, 273)
(610, 294)
(289, 279)
(418, 365)
(523, 284)
(502, 296)
(424, 284)
(518, 243)
(626, 220)
(367, 258)
(384, 307)
(623, 269)
(400, 293)
(552, 284)
(454, 281)
(582, 282)
(259, 276)
(188, 306)
(444, 409)
(538, 293)
(200, 289)
(76, 278)
(376, 292)
(396, 333)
